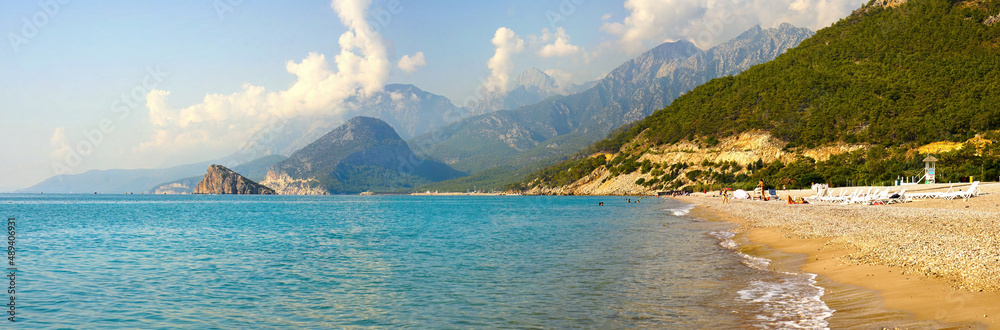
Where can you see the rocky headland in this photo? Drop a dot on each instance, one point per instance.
(222, 180)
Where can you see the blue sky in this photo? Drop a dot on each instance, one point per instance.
(63, 73)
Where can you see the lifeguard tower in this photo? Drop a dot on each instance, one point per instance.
(930, 173)
(930, 165)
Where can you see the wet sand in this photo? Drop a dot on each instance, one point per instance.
(925, 264)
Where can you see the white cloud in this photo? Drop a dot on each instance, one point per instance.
(60, 144)
(561, 47)
(538, 40)
(410, 64)
(501, 64)
(563, 79)
(710, 22)
(225, 121)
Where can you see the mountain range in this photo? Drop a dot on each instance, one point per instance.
(531, 124)
(530, 87)
(863, 100)
(509, 142)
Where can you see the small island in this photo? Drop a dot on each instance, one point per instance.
(222, 180)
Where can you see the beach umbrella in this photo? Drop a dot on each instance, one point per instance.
(741, 194)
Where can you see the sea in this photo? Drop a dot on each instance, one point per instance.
(226, 261)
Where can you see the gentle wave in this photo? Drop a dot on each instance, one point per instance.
(788, 300)
(681, 210)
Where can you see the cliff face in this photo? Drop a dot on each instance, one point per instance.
(743, 149)
(221, 180)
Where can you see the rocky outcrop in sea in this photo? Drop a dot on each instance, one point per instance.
(221, 180)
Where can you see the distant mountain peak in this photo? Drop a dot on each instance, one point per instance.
(364, 153)
(535, 78)
(529, 87)
(679, 48)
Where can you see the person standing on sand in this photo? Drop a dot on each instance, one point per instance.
(760, 184)
(725, 196)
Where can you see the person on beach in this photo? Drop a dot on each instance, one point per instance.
(760, 184)
(725, 196)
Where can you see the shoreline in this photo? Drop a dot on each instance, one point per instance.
(846, 245)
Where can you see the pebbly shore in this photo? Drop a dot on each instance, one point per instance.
(955, 241)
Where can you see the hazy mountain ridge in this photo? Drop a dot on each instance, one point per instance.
(629, 93)
(530, 87)
(115, 180)
(363, 154)
(410, 110)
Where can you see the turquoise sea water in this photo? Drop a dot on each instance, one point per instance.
(140, 261)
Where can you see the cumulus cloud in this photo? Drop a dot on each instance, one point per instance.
(710, 22)
(501, 64)
(60, 143)
(360, 69)
(411, 63)
(563, 79)
(561, 46)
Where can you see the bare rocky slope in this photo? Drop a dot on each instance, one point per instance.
(744, 150)
(221, 180)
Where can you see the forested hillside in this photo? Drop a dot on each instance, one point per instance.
(507, 145)
(891, 79)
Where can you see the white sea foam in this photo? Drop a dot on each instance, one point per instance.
(792, 302)
(681, 210)
(788, 300)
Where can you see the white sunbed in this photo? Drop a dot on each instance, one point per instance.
(881, 197)
(888, 199)
(820, 195)
(931, 195)
(842, 198)
(862, 198)
(871, 198)
(966, 194)
(903, 198)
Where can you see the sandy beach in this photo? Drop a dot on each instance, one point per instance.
(935, 260)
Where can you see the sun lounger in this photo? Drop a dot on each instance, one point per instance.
(889, 198)
(822, 193)
(930, 195)
(772, 194)
(869, 198)
(902, 198)
(966, 194)
(842, 197)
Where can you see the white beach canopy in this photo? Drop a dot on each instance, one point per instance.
(741, 194)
